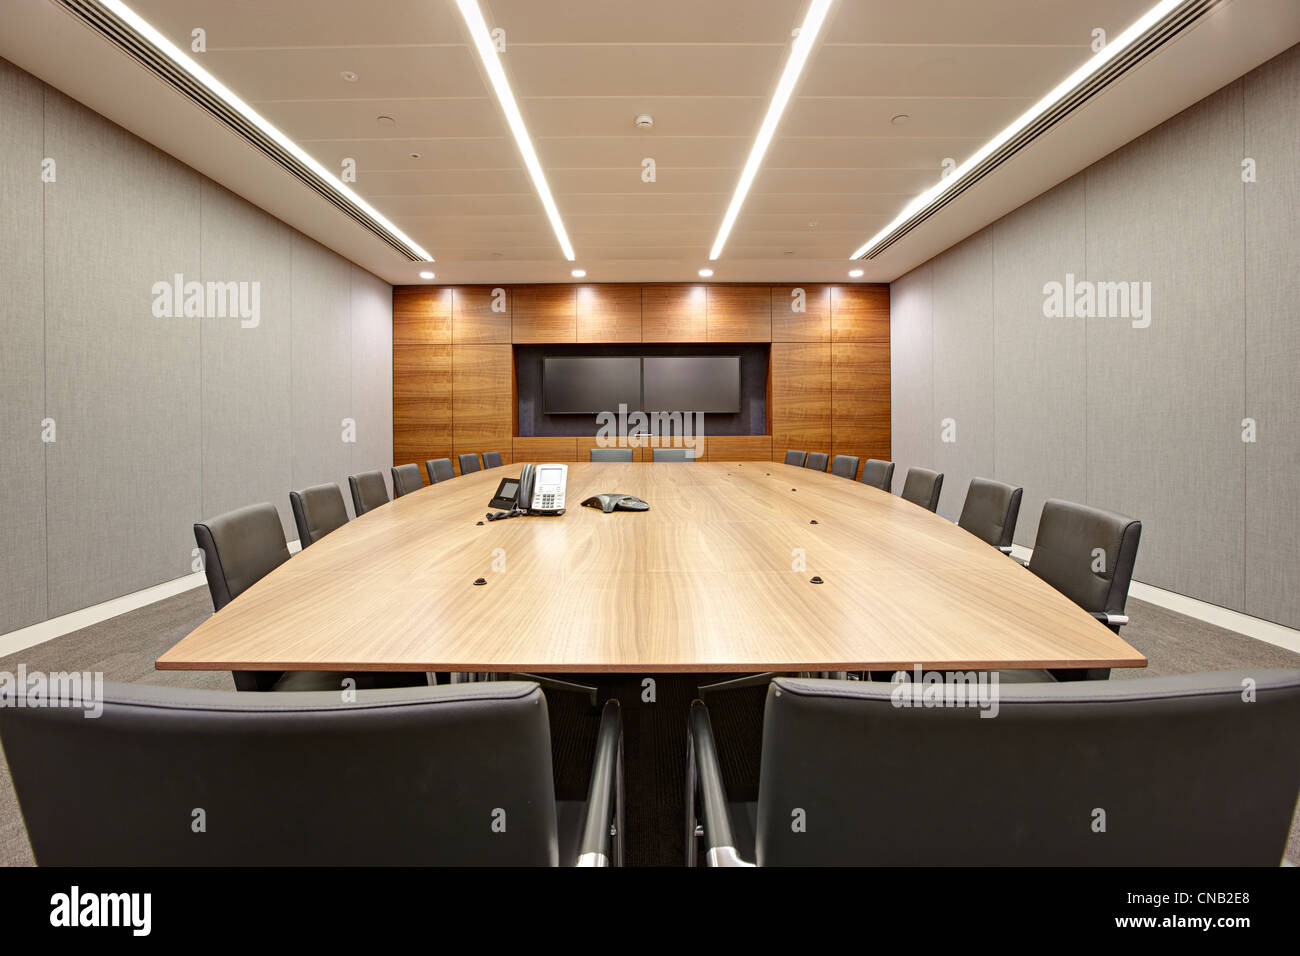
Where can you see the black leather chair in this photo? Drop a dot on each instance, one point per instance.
(610, 454)
(439, 469)
(457, 775)
(240, 548)
(406, 478)
(922, 487)
(1088, 555)
(796, 458)
(491, 459)
(317, 511)
(846, 466)
(1178, 770)
(817, 460)
(368, 491)
(674, 454)
(878, 474)
(991, 511)
(469, 463)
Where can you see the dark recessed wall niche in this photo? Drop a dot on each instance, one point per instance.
(750, 420)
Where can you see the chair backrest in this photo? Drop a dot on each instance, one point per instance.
(469, 463)
(1160, 756)
(368, 491)
(796, 458)
(240, 548)
(922, 487)
(846, 466)
(396, 777)
(317, 511)
(491, 459)
(1065, 554)
(878, 474)
(674, 454)
(610, 454)
(406, 478)
(439, 469)
(817, 460)
(991, 511)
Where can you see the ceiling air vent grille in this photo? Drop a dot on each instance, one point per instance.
(131, 42)
(1158, 35)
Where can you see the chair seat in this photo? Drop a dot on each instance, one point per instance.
(333, 680)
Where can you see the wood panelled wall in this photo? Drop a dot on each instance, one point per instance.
(453, 361)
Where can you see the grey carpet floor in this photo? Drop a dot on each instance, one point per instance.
(125, 648)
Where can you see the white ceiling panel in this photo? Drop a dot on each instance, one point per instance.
(957, 70)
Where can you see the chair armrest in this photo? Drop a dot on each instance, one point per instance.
(1109, 619)
(603, 817)
(706, 772)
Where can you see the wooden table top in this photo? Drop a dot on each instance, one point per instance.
(711, 579)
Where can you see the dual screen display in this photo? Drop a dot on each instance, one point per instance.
(588, 385)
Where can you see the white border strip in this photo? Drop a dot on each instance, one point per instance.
(25, 637)
(1276, 634)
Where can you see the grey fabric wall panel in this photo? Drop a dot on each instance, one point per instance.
(963, 367)
(161, 421)
(247, 431)
(321, 365)
(22, 373)
(372, 371)
(911, 338)
(1039, 384)
(1272, 120)
(122, 384)
(1147, 421)
(1165, 402)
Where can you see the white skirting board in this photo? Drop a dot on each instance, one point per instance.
(1255, 627)
(30, 636)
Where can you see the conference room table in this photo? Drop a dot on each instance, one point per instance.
(738, 567)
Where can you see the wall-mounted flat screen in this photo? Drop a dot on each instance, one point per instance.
(695, 383)
(587, 385)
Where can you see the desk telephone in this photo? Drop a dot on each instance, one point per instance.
(539, 490)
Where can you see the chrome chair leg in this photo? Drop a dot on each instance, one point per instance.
(749, 680)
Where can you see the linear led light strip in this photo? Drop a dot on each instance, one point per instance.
(812, 24)
(1063, 91)
(482, 37)
(215, 87)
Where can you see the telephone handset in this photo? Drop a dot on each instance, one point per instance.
(541, 488)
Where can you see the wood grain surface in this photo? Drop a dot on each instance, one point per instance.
(716, 577)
